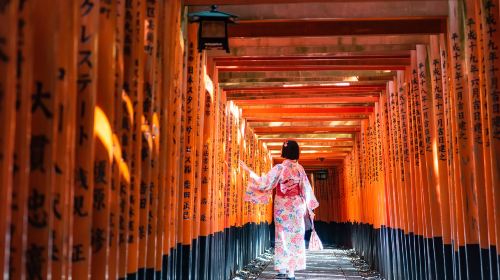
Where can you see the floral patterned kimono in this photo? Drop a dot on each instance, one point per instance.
(294, 196)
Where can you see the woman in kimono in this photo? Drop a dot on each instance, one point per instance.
(294, 196)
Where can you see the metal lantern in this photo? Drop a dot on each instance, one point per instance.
(321, 175)
(212, 33)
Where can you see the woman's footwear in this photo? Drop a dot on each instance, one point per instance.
(281, 275)
(290, 278)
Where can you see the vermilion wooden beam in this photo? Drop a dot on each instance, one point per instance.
(309, 68)
(246, 2)
(307, 111)
(319, 143)
(302, 129)
(305, 119)
(325, 155)
(226, 59)
(277, 150)
(329, 88)
(311, 100)
(306, 163)
(308, 140)
(299, 62)
(270, 96)
(352, 27)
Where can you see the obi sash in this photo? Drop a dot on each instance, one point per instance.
(292, 191)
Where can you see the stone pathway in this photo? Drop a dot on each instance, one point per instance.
(331, 263)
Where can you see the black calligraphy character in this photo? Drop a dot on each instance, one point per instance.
(3, 55)
(37, 215)
(142, 232)
(55, 204)
(100, 172)
(121, 223)
(131, 222)
(148, 92)
(105, 11)
(143, 199)
(86, 7)
(55, 249)
(77, 253)
(123, 189)
(37, 150)
(83, 135)
(81, 178)
(125, 123)
(85, 58)
(150, 12)
(34, 261)
(62, 74)
(144, 150)
(123, 204)
(98, 239)
(37, 99)
(83, 35)
(121, 238)
(78, 206)
(83, 81)
(99, 197)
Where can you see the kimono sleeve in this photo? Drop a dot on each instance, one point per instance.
(309, 197)
(259, 190)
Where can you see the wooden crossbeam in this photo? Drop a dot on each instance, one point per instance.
(306, 129)
(222, 60)
(308, 140)
(316, 61)
(352, 27)
(305, 119)
(360, 66)
(329, 88)
(308, 163)
(283, 112)
(307, 100)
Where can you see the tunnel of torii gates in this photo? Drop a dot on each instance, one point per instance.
(120, 141)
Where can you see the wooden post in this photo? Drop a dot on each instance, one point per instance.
(474, 63)
(464, 162)
(154, 215)
(117, 215)
(84, 155)
(43, 144)
(170, 135)
(148, 42)
(207, 179)
(490, 17)
(24, 89)
(8, 58)
(103, 129)
(420, 201)
(66, 85)
(189, 149)
(439, 149)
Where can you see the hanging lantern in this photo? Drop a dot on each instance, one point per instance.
(321, 175)
(212, 33)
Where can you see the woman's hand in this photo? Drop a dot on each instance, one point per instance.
(244, 166)
(247, 169)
